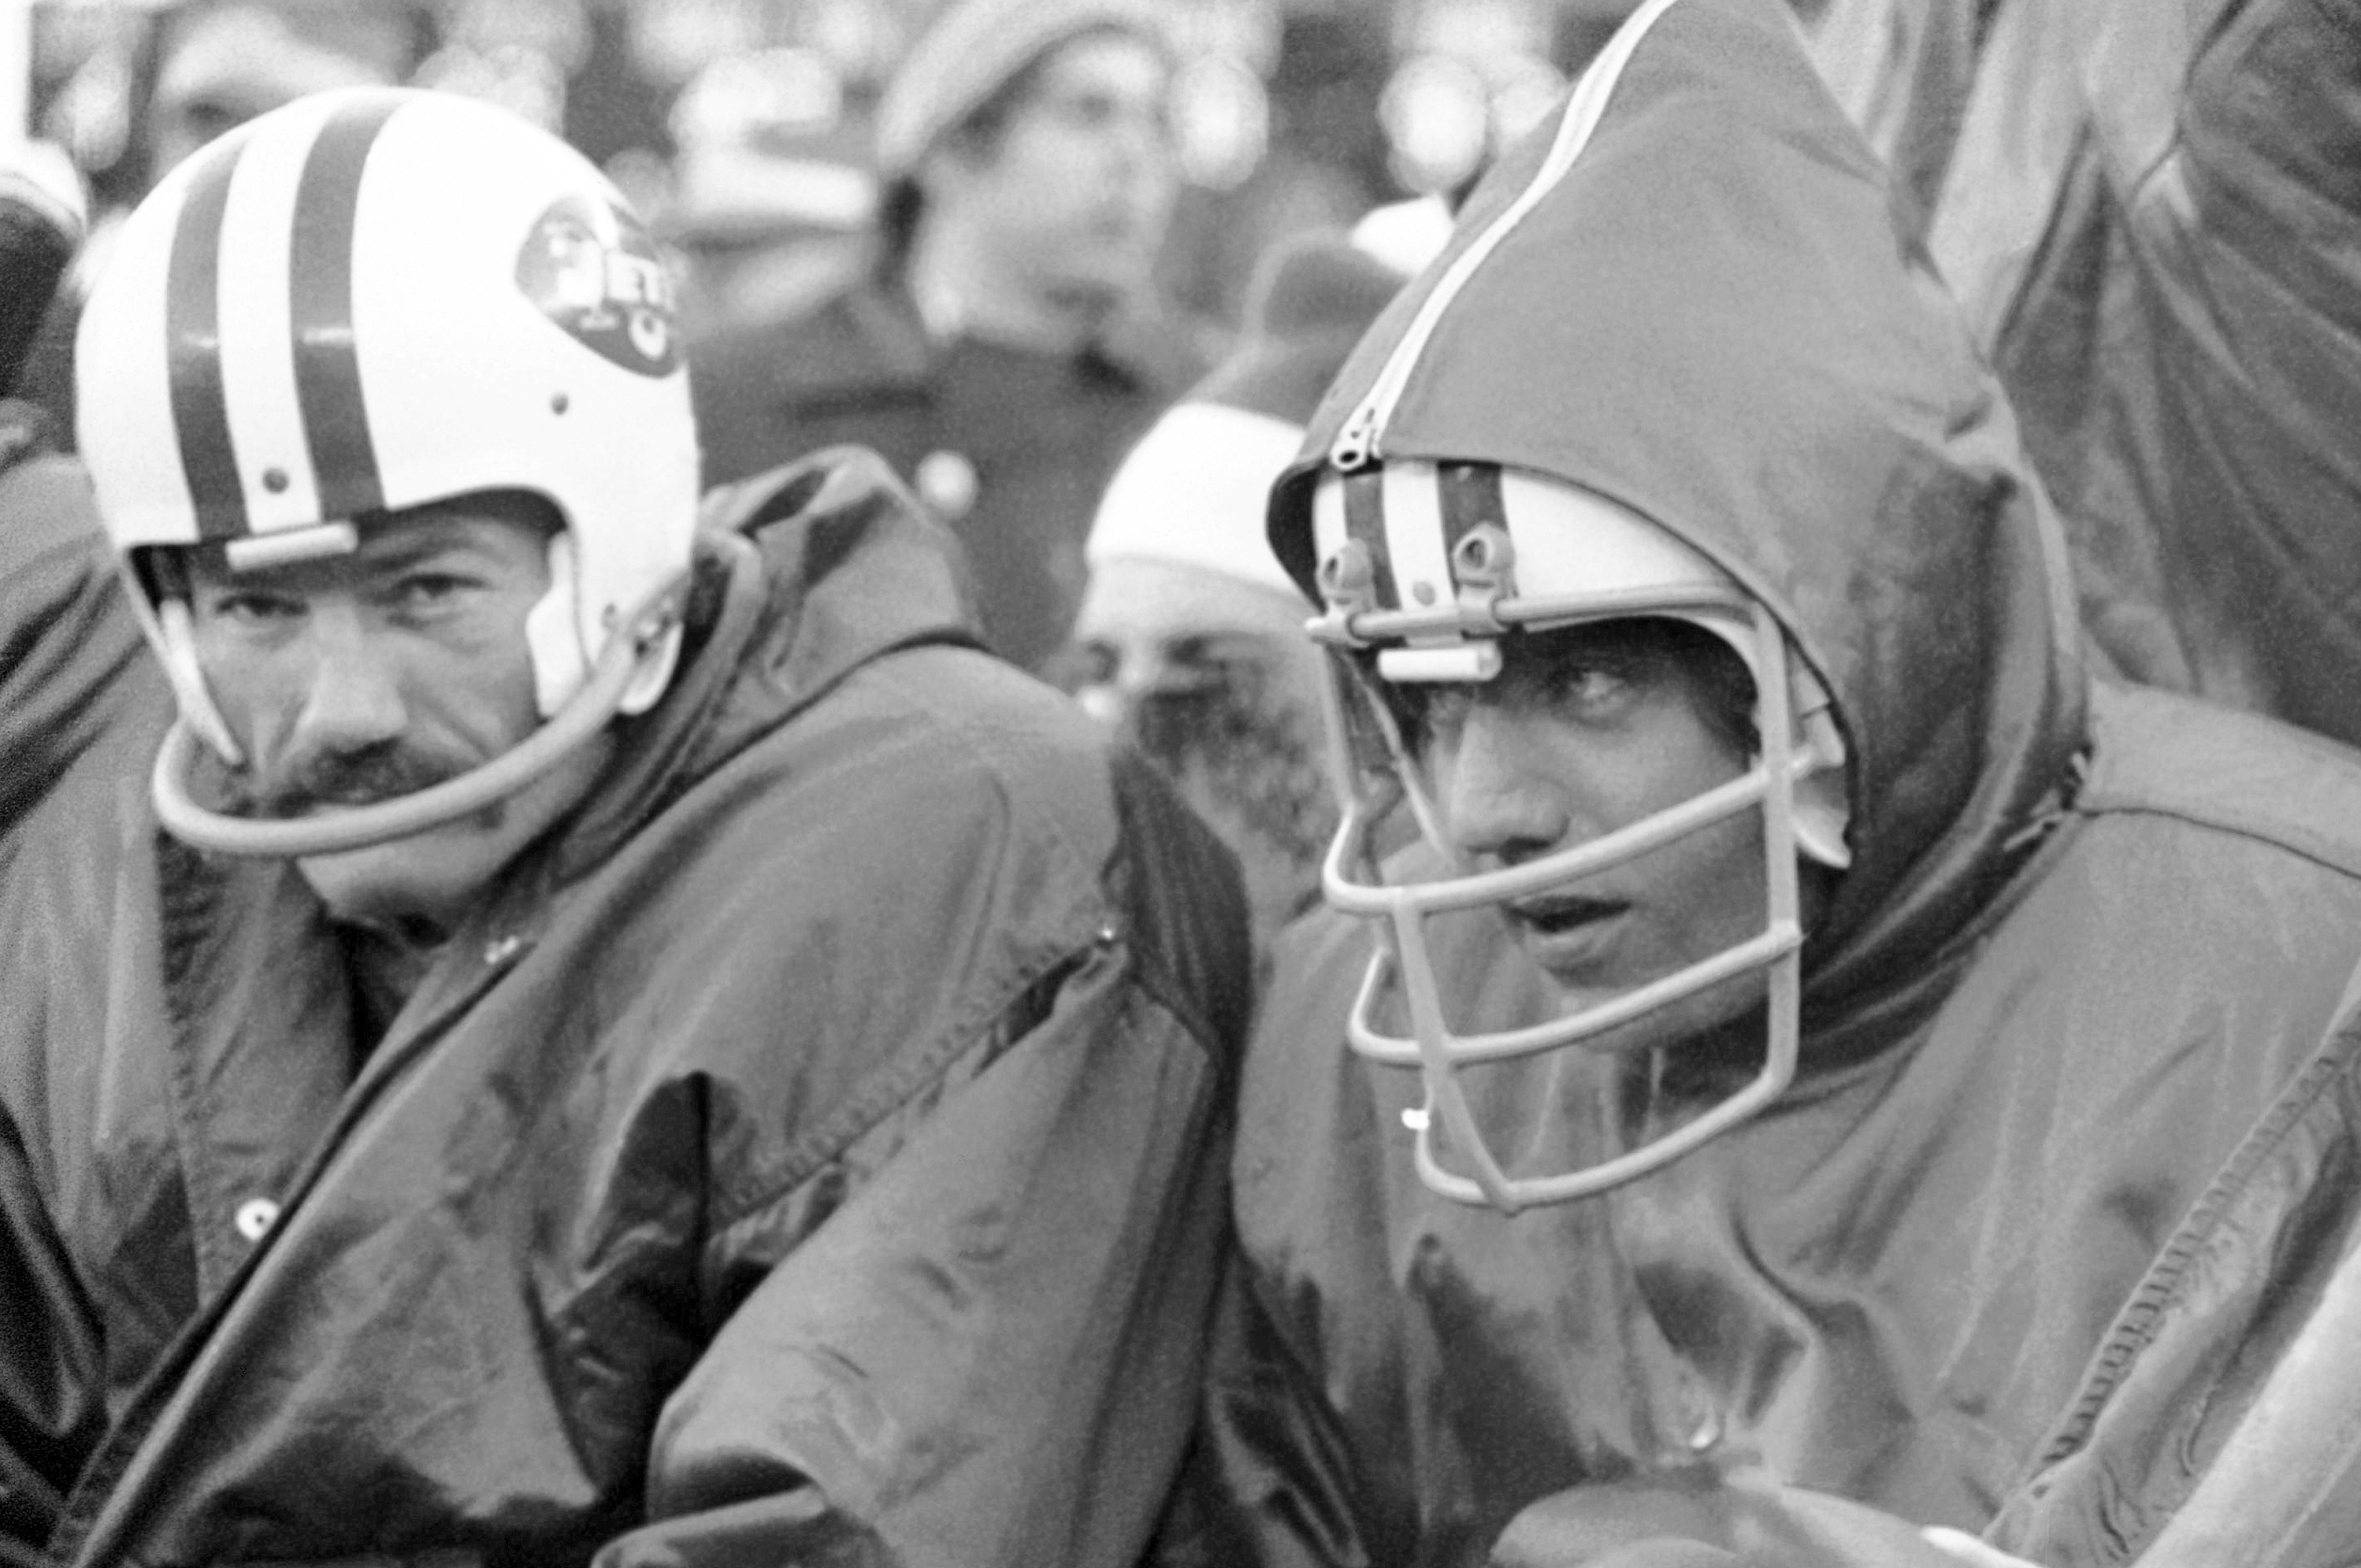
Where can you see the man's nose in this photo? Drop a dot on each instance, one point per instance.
(352, 687)
(1499, 794)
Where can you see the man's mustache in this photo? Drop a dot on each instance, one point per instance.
(351, 778)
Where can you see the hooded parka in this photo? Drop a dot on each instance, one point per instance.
(811, 1152)
(2086, 939)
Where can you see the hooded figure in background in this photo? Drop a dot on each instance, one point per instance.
(1935, 1027)
(2152, 219)
(1190, 638)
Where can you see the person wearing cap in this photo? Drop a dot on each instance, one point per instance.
(222, 62)
(1003, 344)
(1189, 637)
(219, 64)
(51, 602)
(1947, 1111)
(549, 1021)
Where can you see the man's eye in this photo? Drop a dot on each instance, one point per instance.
(246, 607)
(1087, 111)
(1588, 689)
(1092, 663)
(1428, 714)
(1191, 665)
(429, 590)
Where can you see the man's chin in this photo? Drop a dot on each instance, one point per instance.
(430, 876)
(433, 876)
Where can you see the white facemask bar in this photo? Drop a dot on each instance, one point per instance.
(643, 636)
(1768, 786)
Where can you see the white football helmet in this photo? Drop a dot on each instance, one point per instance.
(1425, 566)
(363, 301)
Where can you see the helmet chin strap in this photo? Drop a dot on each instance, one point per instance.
(647, 636)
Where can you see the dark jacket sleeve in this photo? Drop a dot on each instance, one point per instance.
(67, 635)
(1270, 1480)
(989, 1354)
(65, 638)
(50, 1412)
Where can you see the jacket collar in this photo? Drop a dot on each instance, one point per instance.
(803, 575)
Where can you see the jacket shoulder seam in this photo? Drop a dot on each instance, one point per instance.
(880, 1093)
(2276, 832)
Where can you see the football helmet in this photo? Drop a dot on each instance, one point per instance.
(363, 301)
(1424, 568)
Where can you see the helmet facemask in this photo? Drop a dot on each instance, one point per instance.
(1446, 540)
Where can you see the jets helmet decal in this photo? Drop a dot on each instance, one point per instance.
(593, 270)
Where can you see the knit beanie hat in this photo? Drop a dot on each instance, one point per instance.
(972, 50)
(248, 56)
(1196, 487)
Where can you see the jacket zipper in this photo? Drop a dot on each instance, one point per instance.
(1357, 443)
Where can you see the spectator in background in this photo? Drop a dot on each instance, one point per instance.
(218, 64)
(770, 200)
(223, 62)
(1190, 637)
(1003, 345)
(43, 216)
(1324, 168)
(52, 602)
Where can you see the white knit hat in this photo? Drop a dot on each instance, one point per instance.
(1196, 487)
(975, 48)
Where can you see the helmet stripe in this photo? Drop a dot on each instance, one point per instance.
(258, 379)
(1471, 496)
(1365, 521)
(192, 348)
(1416, 551)
(327, 364)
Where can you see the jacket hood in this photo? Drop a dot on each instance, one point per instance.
(803, 575)
(1686, 292)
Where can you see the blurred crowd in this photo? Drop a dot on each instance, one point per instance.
(747, 129)
(1003, 350)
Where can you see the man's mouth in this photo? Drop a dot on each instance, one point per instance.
(307, 803)
(1555, 913)
(1563, 929)
(330, 787)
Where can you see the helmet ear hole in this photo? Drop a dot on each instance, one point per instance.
(552, 631)
(1483, 556)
